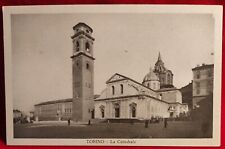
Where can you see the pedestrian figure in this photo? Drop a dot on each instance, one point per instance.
(165, 122)
(89, 122)
(146, 123)
(69, 122)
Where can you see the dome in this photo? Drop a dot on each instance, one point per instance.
(151, 76)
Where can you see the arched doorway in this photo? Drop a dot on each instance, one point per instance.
(117, 110)
(102, 111)
(133, 110)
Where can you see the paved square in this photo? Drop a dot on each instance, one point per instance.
(175, 129)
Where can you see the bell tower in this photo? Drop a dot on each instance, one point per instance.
(83, 73)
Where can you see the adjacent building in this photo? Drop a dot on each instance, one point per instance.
(54, 110)
(61, 109)
(17, 114)
(186, 92)
(202, 82)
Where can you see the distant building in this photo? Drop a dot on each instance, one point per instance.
(186, 92)
(54, 110)
(17, 114)
(202, 82)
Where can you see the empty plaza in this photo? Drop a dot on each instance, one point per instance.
(175, 129)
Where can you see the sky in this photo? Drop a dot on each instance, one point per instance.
(128, 44)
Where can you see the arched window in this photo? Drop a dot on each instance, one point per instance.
(87, 66)
(121, 88)
(198, 74)
(168, 79)
(87, 47)
(113, 90)
(77, 46)
(133, 107)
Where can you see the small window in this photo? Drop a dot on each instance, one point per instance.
(87, 66)
(121, 88)
(198, 84)
(77, 46)
(87, 47)
(113, 90)
(198, 75)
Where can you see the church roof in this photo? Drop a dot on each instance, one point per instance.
(59, 101)
(159, 65)
(126, 78)
(151, 76)
(167, 89)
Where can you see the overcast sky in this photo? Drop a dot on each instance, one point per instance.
(125, 43)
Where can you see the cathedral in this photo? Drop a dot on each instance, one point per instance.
(122, 98)
(155, 97)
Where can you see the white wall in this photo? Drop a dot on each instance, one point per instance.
(172, 96)
(146, 108)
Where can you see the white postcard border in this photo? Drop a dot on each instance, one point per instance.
(198, 9)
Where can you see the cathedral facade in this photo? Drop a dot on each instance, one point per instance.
(155, 97)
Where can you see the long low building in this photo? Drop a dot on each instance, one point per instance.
(54, 110)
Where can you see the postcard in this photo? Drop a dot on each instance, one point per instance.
(113, 75)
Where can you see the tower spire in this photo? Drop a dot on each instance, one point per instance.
(159, 57)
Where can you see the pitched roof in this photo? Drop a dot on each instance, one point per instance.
(127, 78)
(16, 110)
(167, 89)
(60, 101)
(54, 101)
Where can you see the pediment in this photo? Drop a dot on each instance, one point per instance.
(116, 77)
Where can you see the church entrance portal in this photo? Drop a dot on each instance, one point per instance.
(117, 110)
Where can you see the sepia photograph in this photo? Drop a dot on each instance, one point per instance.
(138, 75)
